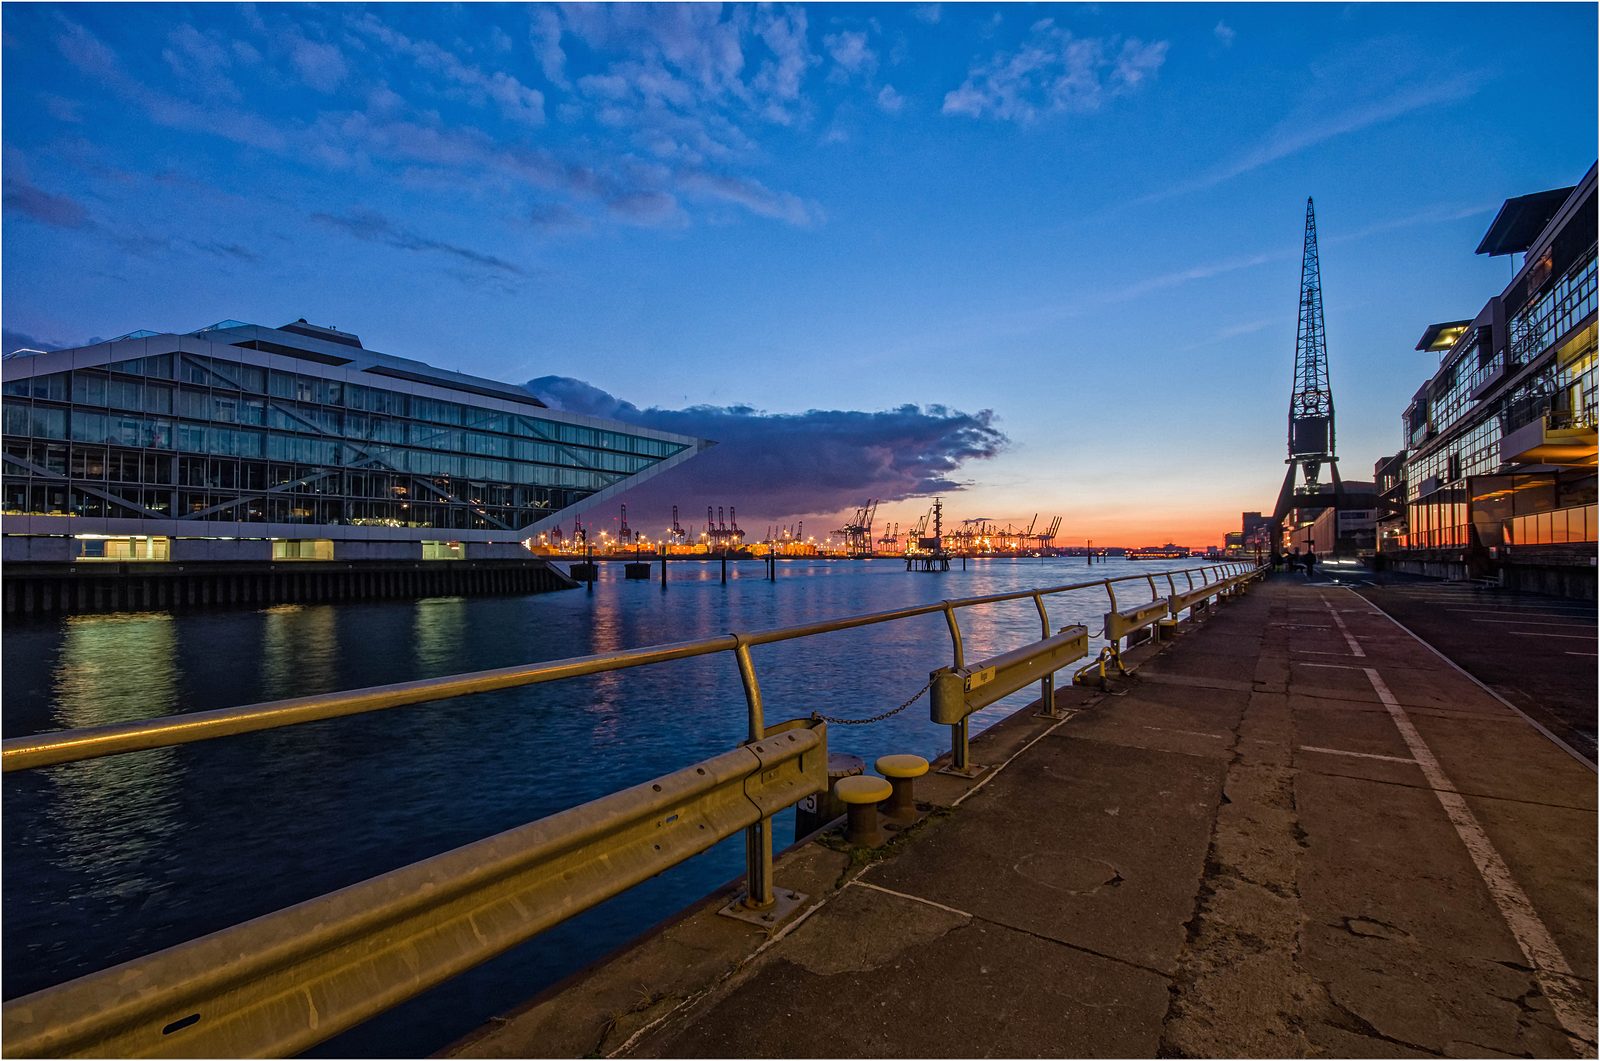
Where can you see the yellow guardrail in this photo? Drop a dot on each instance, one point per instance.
(956, 692)
(283, 982)
(1119, 624)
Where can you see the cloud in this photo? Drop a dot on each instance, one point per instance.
(516, 101)
(778, 466)
(1345, 96)
(545, 35)
(780, 77)
(890, 101)
(754, 196)
(42, 206)
(557, 217)
(375, 228)
(11, 340)
(199, 59)
(321, 65)
(1292, 137)
(1054, 73)
(928, 13)
(1225, 34)
(851, 55)
(62, 109)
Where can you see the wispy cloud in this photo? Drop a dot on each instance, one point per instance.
(375, 228)
(515, 100)
(1300, 131)
(59, 211)
(689, 84)
(1054, 72)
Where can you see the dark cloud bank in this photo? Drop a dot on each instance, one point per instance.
(777, 466)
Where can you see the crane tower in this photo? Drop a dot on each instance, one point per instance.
(1311, 436)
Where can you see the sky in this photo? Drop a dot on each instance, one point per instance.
(1033, 259)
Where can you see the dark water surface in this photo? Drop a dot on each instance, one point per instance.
(111, 859)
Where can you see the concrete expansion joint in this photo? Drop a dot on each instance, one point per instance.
(1488, 797)
(1069, 945)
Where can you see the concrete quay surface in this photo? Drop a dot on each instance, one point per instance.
(1293, 831)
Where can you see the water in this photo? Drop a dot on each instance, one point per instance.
(111, 859)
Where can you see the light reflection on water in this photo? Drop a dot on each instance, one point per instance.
(114, 668)
(111, 859)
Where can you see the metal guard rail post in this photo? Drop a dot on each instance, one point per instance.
(959, 691)
(279, 984)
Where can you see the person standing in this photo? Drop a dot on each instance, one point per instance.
(1311, 561)
(1277, 559)
(1294, 559)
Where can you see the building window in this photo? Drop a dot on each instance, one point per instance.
(443, 551)
(136, 548)
(302, 549)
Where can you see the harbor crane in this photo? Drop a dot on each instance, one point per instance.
(858, 533)
(1047, 537)
(1311, 435)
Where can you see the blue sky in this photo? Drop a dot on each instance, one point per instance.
(1040, 258)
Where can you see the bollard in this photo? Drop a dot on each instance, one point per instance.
(862, 794)
(813, 812)
(902, 772)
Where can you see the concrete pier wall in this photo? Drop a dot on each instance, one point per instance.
(41, 588)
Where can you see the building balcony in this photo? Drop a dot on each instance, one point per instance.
(1552, 439)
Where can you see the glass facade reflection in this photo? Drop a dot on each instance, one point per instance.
(239, 428)
(1502, 438)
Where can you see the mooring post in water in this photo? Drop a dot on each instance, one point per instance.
(724, 565)
(663, 563)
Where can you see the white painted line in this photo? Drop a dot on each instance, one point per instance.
(1355, 649)
(1520, 610)
(1580, 653)
(1334, 666)
(1535, 723)
(690, 1000)
(1541, 633)
(1525, 622)
(1549, 965)
(1358, 755)
(996, 771)
(859, 883)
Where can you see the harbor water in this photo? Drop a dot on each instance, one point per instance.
(108, 860)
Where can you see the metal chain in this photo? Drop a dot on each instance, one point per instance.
(875, 718)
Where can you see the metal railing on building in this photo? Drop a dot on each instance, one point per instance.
(286, 981)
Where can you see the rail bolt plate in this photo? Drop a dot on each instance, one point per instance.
(785, 905)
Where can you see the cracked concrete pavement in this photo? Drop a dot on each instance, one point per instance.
(1294, 831)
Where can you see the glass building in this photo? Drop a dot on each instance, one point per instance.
(240, 441)
(1499, 466)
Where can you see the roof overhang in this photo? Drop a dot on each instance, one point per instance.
(1520, 221)
(1442, 336)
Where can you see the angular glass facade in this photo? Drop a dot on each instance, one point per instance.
(1502, 438)
(246, 426)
